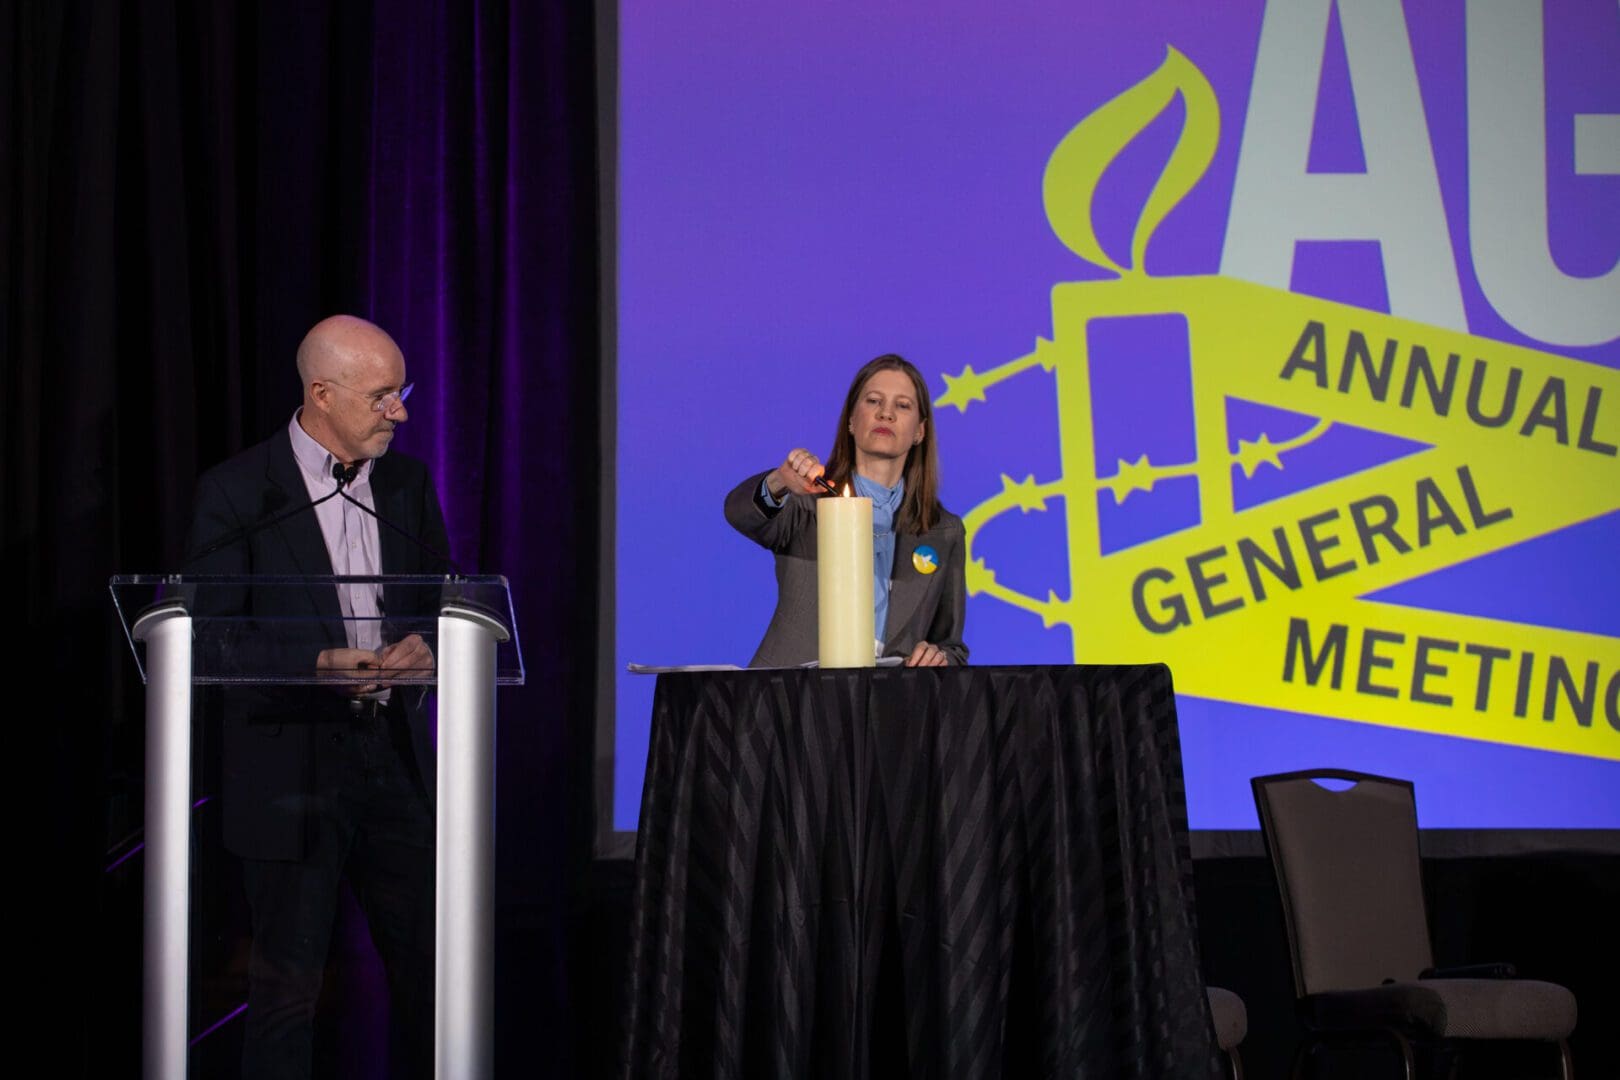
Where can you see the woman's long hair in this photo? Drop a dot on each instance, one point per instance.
(920, 509)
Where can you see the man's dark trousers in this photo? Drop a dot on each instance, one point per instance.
(370, 821)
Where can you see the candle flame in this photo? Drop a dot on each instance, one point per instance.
(847, 492)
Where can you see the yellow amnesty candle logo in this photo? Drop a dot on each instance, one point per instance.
(1265, 604)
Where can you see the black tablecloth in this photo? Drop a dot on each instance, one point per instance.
(950, 872)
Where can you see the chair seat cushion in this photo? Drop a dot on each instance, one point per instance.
(1231, 1017)
(1451, 1008)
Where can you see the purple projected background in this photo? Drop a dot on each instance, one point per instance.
(802, 188)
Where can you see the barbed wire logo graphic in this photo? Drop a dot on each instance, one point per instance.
(1265, 601)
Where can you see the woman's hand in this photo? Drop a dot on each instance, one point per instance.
(926, 655)
(796, 475)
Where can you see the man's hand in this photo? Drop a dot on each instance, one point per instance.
(926, 655)
(409, 655)
(346, 664)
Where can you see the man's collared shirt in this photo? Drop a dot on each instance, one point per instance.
(350, 534)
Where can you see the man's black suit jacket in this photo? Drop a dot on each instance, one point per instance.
(274, 738)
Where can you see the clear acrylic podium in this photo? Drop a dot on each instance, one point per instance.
(252, 632)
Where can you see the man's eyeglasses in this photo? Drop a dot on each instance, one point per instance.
(382, 402)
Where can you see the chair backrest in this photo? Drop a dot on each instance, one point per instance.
(1351, 880)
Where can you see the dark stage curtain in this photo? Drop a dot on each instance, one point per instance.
(185, 187)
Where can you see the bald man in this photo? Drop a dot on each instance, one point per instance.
(326, 784)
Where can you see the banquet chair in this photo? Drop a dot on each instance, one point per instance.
(1348, 869)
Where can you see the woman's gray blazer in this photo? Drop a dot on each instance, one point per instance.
(922, 607)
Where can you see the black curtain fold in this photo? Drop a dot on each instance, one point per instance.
(185, 187)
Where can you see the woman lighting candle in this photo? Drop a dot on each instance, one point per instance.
(885, 451)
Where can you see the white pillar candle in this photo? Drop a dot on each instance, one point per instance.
(844, 581)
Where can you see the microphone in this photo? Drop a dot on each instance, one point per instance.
(406, 533)
(343, 475)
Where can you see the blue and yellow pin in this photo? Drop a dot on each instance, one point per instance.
(925, 559)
